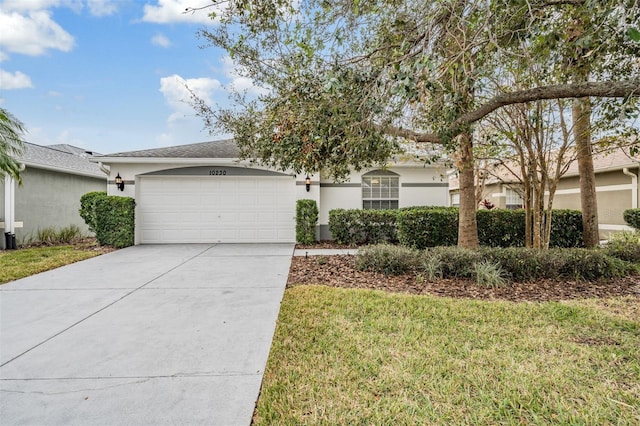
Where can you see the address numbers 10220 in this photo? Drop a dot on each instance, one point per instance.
(217, 172)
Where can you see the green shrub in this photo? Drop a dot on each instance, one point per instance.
(430, 267)
(501, 228)
(88, 208)
(52, 236)
(456, 262)
(624, 245)
(357, 227)
(306, 220)
(566, 229)
(115, 221)
(632, 217)
(489, 274)
(422, 227)
(387, 259)
(522, 264)
(590, 265)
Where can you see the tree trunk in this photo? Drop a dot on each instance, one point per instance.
(467, 224)
(581, 112)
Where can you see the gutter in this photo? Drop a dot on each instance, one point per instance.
(634, 187)
(104, 169)
(10, 207)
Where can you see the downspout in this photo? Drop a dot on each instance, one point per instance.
(104, 169)
(10, 209)
(634, 187)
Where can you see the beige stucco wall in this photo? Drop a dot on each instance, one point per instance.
(614, 192)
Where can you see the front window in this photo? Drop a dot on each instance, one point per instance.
(514, 199)
(455, 199)
(380, 190)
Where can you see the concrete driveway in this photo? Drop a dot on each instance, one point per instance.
(148, 335)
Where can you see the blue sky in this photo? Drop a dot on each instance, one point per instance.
(109, 75)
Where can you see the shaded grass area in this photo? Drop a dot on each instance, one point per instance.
(16, 264)
(343, 356)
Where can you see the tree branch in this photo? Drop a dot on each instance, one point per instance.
(601, 89)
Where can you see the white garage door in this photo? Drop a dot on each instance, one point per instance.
(216, 209)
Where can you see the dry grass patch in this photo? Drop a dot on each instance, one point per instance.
(343, 356)
(16, 264)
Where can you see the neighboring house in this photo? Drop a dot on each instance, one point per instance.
(616, 189)
(202, 193)
(53, 180)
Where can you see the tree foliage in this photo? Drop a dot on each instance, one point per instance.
(345, 81)
(11, 144)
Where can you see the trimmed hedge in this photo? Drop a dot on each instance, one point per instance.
(112, 218)
(88, 208)
(632, 217)
(421, 227)
(357, 227)
(566, 229)
(501, 228)
(306, 220)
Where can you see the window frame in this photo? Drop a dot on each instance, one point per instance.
(384, 196)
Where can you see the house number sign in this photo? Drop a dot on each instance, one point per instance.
(217, 172)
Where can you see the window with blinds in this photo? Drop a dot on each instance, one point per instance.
(380, 192)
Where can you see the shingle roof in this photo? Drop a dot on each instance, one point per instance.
(613, 159)
(215, 149)
(73, 150)
(50, 158)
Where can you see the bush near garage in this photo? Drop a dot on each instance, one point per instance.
(358, 227)
(306, 220)
(88, 208)
(111, 218)
(632, 217)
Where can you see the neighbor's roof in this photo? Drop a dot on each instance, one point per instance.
(609, 160)
(73, 150)
(43, 157)
(215, 149)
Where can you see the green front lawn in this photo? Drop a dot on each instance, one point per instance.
(16, 264)
(347, 357)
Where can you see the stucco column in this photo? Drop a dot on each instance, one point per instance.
(9, 204)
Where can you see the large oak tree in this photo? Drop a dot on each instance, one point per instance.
(348, 80)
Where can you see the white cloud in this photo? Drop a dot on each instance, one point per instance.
(102, 7)
(15, 80)
(33, 34)
(161, 40)
(239, 82)
(176, 91)
(168, 11)
(3, 56)
(30, 5)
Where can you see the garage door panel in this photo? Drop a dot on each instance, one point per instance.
(181, 209)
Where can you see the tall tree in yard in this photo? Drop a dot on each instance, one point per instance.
(347, 80)
(11, 144)
(581, 40)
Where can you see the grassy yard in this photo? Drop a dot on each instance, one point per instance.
(349, 357)
(16, 264)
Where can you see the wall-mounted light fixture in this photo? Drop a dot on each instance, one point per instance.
(119, 182)
(307, 182)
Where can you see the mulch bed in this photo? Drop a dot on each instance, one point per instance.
(340, 271)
